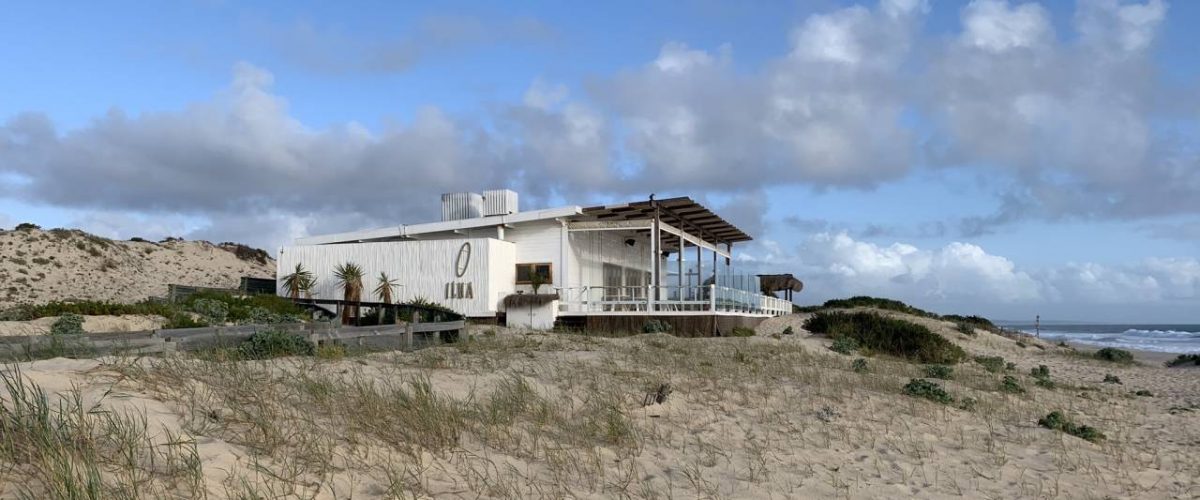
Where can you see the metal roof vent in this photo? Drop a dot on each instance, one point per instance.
(458, 206)
(499, 202)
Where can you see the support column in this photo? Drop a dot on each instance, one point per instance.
(679, 269)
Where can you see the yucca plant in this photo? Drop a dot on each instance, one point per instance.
(384, 289)
(308, 285)
(349, 276)
(299, 281)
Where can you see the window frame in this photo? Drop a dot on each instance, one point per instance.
(533, 269)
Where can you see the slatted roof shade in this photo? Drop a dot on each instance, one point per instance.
(683, 213)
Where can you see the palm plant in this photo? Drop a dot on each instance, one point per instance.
(308, 285)
(349, 276)
(384, 289)
(298, 281)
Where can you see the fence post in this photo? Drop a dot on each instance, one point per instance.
(408, 330)
(712, 298)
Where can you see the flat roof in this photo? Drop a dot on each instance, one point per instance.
(682, 212)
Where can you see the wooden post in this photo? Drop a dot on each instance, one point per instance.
(657, 247)
(408, 330)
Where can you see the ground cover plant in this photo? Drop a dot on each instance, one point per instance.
(885, 335)
(922, 388)
(1114, 355)
(1056, 420)
(1184, 360)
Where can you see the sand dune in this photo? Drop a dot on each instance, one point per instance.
(41, 266)
(513, 415)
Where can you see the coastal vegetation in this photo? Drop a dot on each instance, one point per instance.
(886, 335)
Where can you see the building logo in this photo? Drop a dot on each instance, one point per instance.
(464, 258)
(459, 289)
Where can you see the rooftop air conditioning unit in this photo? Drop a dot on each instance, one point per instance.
(499, 202)
(458, 206)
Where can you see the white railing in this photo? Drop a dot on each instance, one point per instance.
(587, 299)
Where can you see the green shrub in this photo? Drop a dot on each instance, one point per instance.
(939, 371)
(214, 312)
(1010, 366)
(26, 226)
(1184, 359)
(922, 388)
(1114, 355)
(182, 320)
(275, 343)
(1111, 379)
(968, 404)
(67, 324)
(1042, 371)
(887, 335)
(788, 331)
(844, 345)
(860, 366)
(994, 364)
(742, 331)
(1143, 393)
(247, 309)
(966, 329)
(1010, 385)
(656, 326)
(972, 322)
(1044, 382)
(877, 303)
(1021, 344)
(1059, 422)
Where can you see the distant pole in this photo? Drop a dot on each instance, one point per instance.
(1037, 325)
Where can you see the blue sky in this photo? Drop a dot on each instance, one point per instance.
(1006, 158)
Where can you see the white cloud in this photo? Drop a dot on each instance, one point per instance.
(994, 26)
(964, 276)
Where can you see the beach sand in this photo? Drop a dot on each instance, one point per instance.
(510, 414)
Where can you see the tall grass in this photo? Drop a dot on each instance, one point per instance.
(60, 447)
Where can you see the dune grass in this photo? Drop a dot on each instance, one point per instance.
(896, 337)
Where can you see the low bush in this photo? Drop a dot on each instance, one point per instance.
(1111, 379)
(968, 404)
(1010, 366)
(26, 226)
(1042, 371)
(67, 324)
(742, 331)
(994, 364)
(922, 388)
(1114, 355)
(966, 329)
(214, 312)
(1010, 385)
(275, 343)
(1044, 382)
(788, 331)
(844, 345)
(1143, 393)
(939, 371)
(656, 326)
(887, 335)
(860, 366)
(877, 303)
(1055, 420)
(1184, 359)
(972, 322)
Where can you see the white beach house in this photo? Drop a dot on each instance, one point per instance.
(612, 267)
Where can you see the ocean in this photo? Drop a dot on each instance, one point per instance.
(1184, 339)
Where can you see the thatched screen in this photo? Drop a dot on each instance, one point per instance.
(528, 299)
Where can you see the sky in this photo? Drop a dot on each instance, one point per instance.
(987, 157)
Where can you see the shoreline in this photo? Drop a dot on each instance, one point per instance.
(1156, 358)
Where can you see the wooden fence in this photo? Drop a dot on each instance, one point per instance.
(405, 336)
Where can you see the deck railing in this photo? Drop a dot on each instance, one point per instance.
(642, 299)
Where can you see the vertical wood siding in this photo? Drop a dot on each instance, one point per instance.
(423, 268)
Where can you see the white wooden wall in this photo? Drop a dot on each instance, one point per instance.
(539, 242)
(422, 267)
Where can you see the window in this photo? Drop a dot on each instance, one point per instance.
(525, 273)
